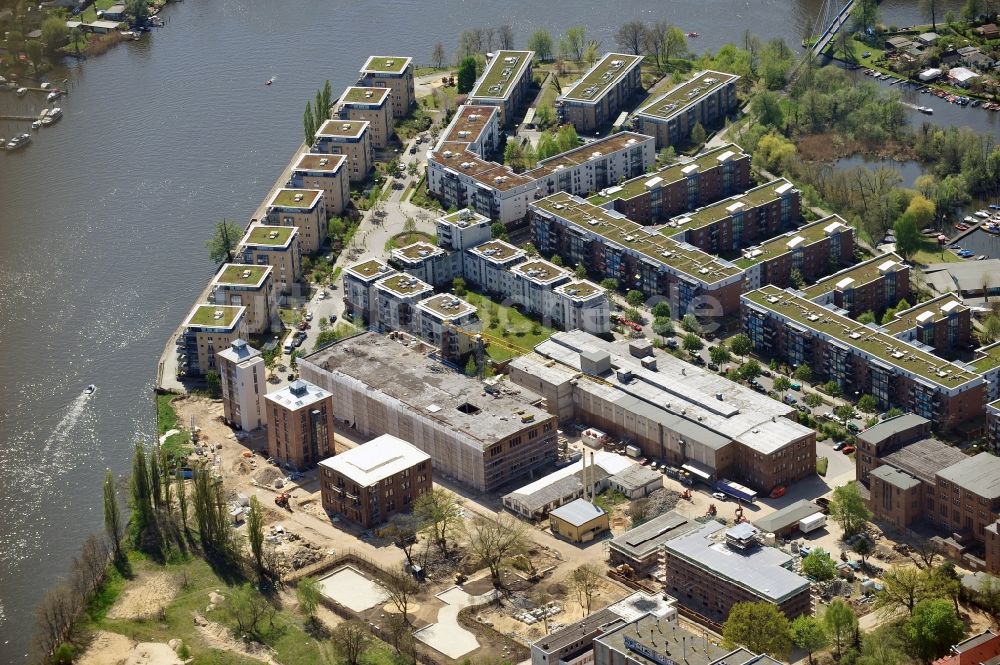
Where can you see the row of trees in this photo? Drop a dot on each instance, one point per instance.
(317, 112)
(659, 39)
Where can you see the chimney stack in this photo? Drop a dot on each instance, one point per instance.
(592, 476)
(583, 478)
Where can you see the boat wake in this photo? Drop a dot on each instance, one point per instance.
(65, 426)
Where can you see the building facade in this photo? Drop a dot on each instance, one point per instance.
(275, 246)
(707, 98)
(350, 138)
(207, 330)
(371, 105)
(809, 252)
(359, 289)
(244, 383)
(249, 286)
(369, 484)
(505, 83)
(303, 209)
(300, 424)
(394, 73)
(327, 173)
(603, 92)
(396, 298)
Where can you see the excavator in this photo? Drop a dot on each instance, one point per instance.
(282, 501)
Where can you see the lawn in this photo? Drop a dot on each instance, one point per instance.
(166, 416)
(510, 332)
(931, 252)
(289, 638)
(408, 238)
(822, 464)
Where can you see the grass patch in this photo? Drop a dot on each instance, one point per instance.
(105, 595)
(177, 446)
(421, 197)
(931, 252)
(510, 332)
(822, 464)
(417, 122)
(408, 238)
(608, 499)
(166, 415)
(289, 316)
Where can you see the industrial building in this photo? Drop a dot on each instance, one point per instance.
(640, 547)
(785, 521)
(579, 521)
(673, 411)
(686, 184)
(602, 93)
(369, 484)
(504, 83)
(481, 435)
(612, 246)
(861, 359)
(300, 424)
(244, 383)
(712, 568)
(707, 98)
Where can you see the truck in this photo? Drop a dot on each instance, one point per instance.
(735, 490)
(594, 438)
(633, 451)
(811, 523)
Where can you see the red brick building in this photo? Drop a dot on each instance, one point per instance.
(874, 285)
(943, 323)
(300, 424)
(812, 250)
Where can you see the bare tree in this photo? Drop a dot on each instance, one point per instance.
(437, 512)
(586, 581)
(352, 639)
(438, 56)
(505, 36)
(489, 37)
(655, 39)
(402, 529)
(249, 609)
(631, 37)
(400, 635)
(926, 552)
(400, 587)
(495, 540)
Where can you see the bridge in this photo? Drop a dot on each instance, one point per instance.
(833, 20)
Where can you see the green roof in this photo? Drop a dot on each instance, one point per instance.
(369, 269)
(848, 332)
(862, 273)
(602, 76)
(360, 95)
(504, 70)
(296, 198)
(271, 236)
(465, 215)
(346, 128)
(205, 316)
(668, 174)
(447, 305)
(988, 358)
(691, 91)
(418, 250)
(810, 233)
(540, 270)
(242, 274)
(498, 250)
(386, 64)
(907, 319)
(679, 257)
(748, 200)
(405, 285)
(579, 289)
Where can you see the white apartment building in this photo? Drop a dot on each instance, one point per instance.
(244, 384)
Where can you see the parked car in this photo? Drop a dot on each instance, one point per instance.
(839, 445)
(697, 360)
(789, 400)
(309, 316)
(853, 427)
(847, 450)
(796, 386)
(804, 409)
(413, 149)
(765, 372)
(778, 492)
(671, 343)
(719, 495)
(713, 367)
(827, 415)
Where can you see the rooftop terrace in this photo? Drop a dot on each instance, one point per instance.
(748, 200)
(503, 71)
(872, 342)
(679, 97)
(242, 275)
(668, 173)
(801, 237)
(579, 289)
(312, 161)
(304, 199)
(214, 316)
(417, 251)
(463, 218)
(601, 77)
(677, 256)
(447, 306)
(404, 285)
(350, 129)
(368, 270)
(270, 236)
(925, 312)
(860, 274)
(386, 64)
(540, 271)
(987, 358)
(497, 250)
(362, 95)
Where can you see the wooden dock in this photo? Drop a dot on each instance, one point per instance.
(19, 118)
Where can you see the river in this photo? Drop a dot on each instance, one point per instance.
(104, 217)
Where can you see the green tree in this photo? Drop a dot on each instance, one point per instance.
(819, 565)
(867, 404)
(719, 354)
(249, 609)
(326, 96)
(541, 43)
(766, 105)
(437, 512)
(458, 286)
(865, 14)
(662, 308)
(494, 540)
(634, 297)
(35, 51)
(113, 524)
(864, 548)
(809, 635)
(142, 520)
(138, 10)
(803, 373)
(908, 238)
(845, 412)
(760, 627)
(741, 345)
(750, 370)
(498, 230)
(663, 326)
(581, 271)
(471, 368)
(690, 323)
(674, 44)
(54, 33)
(223, 241)
(182, 503)
(557, 260)
(692, 343)
(991, 330)
(154, 478)
(813, 400)
(841, 624)
(697, 134)
(213, 383)
(573, 43)
(866, 317)
(782, 385)
(932, 629)
(609, 283)
(832, 388)
(466, 75)
(307, 593)
(848, 509)
(309, 125)
(255, 536)
(774, 153)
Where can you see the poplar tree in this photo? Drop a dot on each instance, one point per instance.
(112, 515)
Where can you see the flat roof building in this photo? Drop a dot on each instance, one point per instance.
(371, 105)
(874, 285)
(327, 173)
(300, 424)
(707, 98)
(207, 330)
(374, 481)
(351, 138)
(359, 288)
(303, 209)
(382, 386)
(640, 547)
(812, 250)
(244, 383)
(395, 305)
(249, 286)
(275, 246)
(393, 72)
(505, 83)
(579, 521)
(448, 323)
(784, 522)
(602, 93)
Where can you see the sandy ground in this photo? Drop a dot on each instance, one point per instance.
(145, 598)
(217, 636)
(114, 649)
